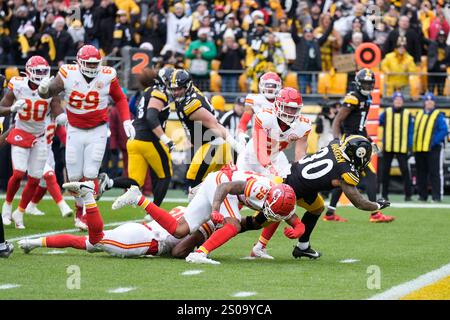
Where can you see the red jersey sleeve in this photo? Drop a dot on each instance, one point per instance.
(120, 100)
(260, 140)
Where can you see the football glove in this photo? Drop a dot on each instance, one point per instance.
(18, 106)
(217, 218)
(44, 85)
(383, 203)
(129, 129)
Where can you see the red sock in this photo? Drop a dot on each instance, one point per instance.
(52, 186)
(38, 194)
(14, 185)
(218, 238)
(66, 241)
(28, 192)
(164, 218)
(267, 233)
(95, 185)
(78, 211)
(95, 223)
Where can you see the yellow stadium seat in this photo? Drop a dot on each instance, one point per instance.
(424, 69)
(11, 72)
(215, 65)
(215, 83)
(291, 80)
(447, 84)
(243, 83)
(329, 83)
(415, 85)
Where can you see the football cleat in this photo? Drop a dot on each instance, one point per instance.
(260, 253)
(17, 217)
(66, 210)
(379, 217)
(5, 253)
(80, 189)
(103, 182)
(129, 198)
(334, 217)
(148, 218)
(6, 213)
(33, 210)
(27, 245)
(200, 257)
(80, 224)
(309, 253)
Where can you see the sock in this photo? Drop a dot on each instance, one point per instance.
(164, 218)
(122, 183)
(52, 186)
(160, 188)
(95, 185)
(28, 193)
(218, 238)
(62, 241)
(38, 194)
(79, 204)
(303, 245)
(14, 185)
(309, 220)
(267, 234)
(94, 222)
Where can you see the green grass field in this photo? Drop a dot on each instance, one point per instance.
(416, 243)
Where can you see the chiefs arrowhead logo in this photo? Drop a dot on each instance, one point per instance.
(18, 138)
(293, 137)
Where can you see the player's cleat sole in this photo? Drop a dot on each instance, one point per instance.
(380, 218)
(5, 253)
(334, 218)
(17, 217)
(260, 254)
(308, 253)
(129, 198)
(80, 189)
(103, 181)
(80, 224)
(200, 258)
(26, 246)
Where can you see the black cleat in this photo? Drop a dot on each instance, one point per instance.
(309, 253)
(103, 181)
(5, 253)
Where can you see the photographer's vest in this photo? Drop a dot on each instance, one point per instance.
(396, 126)
(423, 130)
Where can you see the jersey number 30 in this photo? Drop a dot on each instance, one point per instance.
(36, 111)
(309, 171)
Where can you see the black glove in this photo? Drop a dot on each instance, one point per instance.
(383, 203)
(170, 145)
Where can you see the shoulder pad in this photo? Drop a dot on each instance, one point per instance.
(351, 99)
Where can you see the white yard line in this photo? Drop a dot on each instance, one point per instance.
(243, 294)
(8, 286)
(121, 290)
(406, 288)
(191, 272)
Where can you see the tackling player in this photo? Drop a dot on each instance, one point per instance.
(27, 139)
(87, 87)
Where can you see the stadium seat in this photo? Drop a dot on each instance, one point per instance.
(332, 83)
(243, 83)
(11, 72)
(415, 85)
(215, 65)
(447, 84)
(215, 83)
(291, 80)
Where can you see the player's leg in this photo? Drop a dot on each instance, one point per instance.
(200, 164)
(259, 249)
(331, 212)
(56, 241)
(39, 193)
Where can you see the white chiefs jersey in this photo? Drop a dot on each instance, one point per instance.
(87, 102)
(32, 118)
(277, 139)
(258, 102)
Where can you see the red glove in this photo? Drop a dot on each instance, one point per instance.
(297, 230)
(216, 217)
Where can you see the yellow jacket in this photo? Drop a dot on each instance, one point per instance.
(129, 6)
(395, 63)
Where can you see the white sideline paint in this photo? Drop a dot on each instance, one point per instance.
(121, 290)
(349, 261)
(191, 272)
(243, 294)
(403, 289)
(8, 286)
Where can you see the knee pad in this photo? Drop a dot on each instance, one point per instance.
(32, 181)
(49, 176)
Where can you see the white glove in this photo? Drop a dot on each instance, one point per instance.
(129, 129)
(44, 85)
(237, 146)
(18, 106)
(243, 138)
(61, 119)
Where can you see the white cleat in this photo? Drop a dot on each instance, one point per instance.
(6, 213)
(27, 245)
(260, 253)
(66, 211)
(17, 217)
(80, 189)
(80, 224)
(33, 210)
(129, 198)
(200, 257)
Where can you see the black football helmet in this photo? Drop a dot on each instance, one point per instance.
(358, 150)
(164, 75)
(365, 81)
(180, 78)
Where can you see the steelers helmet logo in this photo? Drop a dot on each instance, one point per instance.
(361, 152)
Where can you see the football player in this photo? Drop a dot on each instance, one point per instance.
(28, 143)
(87, 87)
(126, 241)
(337, 165)
(352, 117)
(269, 85)
(220, 197)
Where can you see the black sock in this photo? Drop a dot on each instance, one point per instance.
(2, 232)
(123, 183)
(309, 220)
(160, 190)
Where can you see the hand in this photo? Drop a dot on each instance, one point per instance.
(243, 138)
(383, 203)
(170, 145)
(44, 85)
(294, 233)
(18, 106)
(217, 217)
(129, 129)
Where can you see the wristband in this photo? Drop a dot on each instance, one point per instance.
(165, 139)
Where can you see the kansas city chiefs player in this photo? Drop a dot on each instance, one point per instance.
(269, 86)
(87, 86)
(27, 139)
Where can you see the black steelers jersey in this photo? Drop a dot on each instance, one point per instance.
(192, 103)
(355, 123)
(316, 172)
(140, 123)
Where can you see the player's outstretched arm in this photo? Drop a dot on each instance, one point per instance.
(337, 123)
(224, 189)
(51, 87)
(6, 103)
(301, 145)
(154, 108)
(359, 201)
(187, 245)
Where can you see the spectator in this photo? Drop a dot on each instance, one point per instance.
(27, 44)
(77, 32)
(5, 45)
(438, 23)
(201, 52)
(344, 24)
(64, 46)
(107, 21)
(231, 56)
(255, 39)
(205, 23)
(90, 18)
(218, 22)
(413, 45)
(315, 15)
(391, 17)
(430, 132)
(154, 30)
(123, 33)
(349, 43)
(425, 17)
(201, 11)
(331, 46)
(130, 7)
(324, 122)
(438, 61)
(232, 25)
(398, 129)
(380, 34)
(18, 21)
(178, 26)
(356, 40)
(399, 62)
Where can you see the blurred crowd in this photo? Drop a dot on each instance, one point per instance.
(236, 37)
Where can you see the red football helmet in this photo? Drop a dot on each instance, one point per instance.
(288, 105)
(36, 69)
(269, 85)
(89, 59)
(280, 203)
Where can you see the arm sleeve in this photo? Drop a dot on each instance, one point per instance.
(113, 139)
(245, 119)
(116, 93)
(152, 118)
(294, 33)
(441, 130)
(61, 133)
(260, 143)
